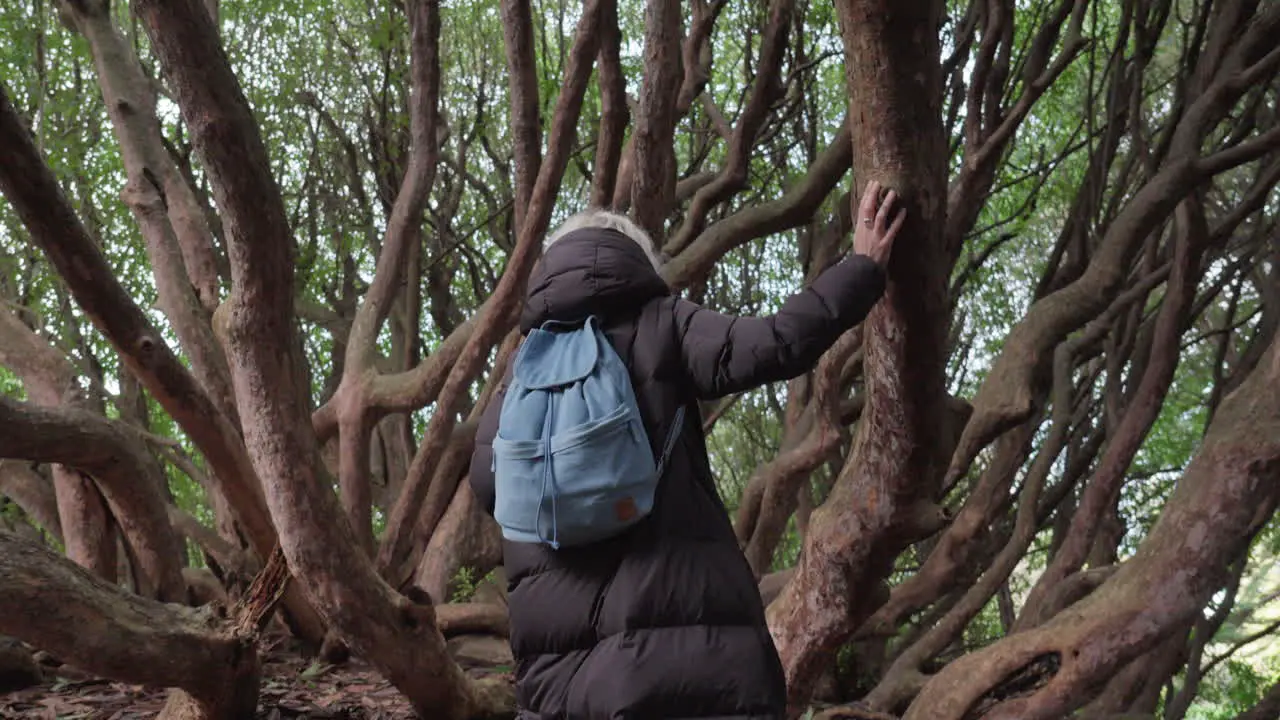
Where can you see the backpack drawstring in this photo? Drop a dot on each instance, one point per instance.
(548, 475)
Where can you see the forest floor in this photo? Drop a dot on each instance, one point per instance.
(292, 687)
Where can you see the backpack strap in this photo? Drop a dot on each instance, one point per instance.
(672, 435)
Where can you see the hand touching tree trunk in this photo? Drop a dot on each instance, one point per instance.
(884, 497)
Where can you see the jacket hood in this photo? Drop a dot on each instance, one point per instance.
(594, 271)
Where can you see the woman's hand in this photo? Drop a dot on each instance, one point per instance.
(875, 234)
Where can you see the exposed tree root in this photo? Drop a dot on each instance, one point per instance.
(59, 607)
(471, 619)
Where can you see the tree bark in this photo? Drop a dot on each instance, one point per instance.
(471, 618)
(91, 539)
(33, 493)
(465, 537)
(517, 35)
(440, 494)
(58, 607)
(614, 114)
(653, 182)
(1136, 688)
(883, 499)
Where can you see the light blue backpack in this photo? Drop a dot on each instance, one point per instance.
(572, 463)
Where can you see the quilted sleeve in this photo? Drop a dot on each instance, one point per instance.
(724, 354)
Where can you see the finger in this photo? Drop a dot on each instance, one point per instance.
(898, 219)
(868, 206)
(882, 217)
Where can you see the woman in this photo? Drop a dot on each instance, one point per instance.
(665, 620)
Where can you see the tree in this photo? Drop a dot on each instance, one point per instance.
(267, 307)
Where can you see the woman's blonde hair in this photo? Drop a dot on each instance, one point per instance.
(597, 218)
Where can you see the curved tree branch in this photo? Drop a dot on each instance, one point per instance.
(505, 299)
(30, 186)
(54, 604)
(796, 206)
(653, 179)
(403, 231)
(1226, 495)
(764, 92)
(116, 457)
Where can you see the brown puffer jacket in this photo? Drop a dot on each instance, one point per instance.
(664, 621)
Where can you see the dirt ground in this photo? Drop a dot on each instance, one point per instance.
(292, 687)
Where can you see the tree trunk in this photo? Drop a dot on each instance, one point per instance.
(90, 539)
(883, 500)
(395, 433)
(1136, 688)
(33, 493)
(440, 497)
(465, 537)
(258, 330)
(654, 179)
(614, 114)
(83, 445)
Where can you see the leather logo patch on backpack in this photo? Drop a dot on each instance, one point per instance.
(625, 509)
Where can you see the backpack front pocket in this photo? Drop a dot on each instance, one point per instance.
(600, 481)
